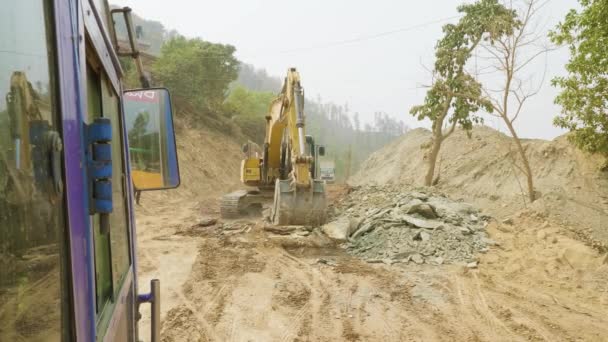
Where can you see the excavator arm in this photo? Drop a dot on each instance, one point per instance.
(298, 198)
(285, 134)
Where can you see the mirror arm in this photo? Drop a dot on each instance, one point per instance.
(143, 79)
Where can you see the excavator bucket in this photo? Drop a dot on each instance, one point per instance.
(293, 206)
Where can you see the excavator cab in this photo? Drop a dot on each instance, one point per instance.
(315, 151)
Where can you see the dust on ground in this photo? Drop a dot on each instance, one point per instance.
(536, 283)
(245, 281)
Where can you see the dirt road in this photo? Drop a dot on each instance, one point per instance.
(251, 285)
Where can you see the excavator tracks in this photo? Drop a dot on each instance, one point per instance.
(242, 203)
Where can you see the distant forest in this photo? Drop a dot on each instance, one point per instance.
(227, 93)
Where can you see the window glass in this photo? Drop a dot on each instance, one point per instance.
(119, 238)
(103, 9)
(32, 234)
(103, 268)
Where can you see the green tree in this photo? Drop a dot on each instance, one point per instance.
(455, 95)
(198, 71)
(512, 56)
(584, 91)
(248, 110)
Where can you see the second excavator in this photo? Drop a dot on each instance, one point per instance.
(287, 163)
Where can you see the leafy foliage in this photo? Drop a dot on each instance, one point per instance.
(197, 70)
(257, 80)
(584, 96)
(248, 108)
(454, 88)
(455, 95)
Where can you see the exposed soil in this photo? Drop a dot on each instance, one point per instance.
(209, 164)
(539, 284)
(237, 281)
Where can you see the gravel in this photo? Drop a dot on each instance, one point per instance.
(420, 226)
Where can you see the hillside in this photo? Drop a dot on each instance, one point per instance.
(481, 170)
(209, 165)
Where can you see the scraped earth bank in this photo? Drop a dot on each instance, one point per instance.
(571, 188)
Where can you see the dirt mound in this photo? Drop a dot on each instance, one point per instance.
(395, 225)
(571, 188)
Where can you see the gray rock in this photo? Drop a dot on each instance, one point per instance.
(420, 223)
(388, 261)
(465, 231)
(423, 209)
(338, 230)
(508, 221)
(490, 242)
(364, 228)
(472, 265)
(419, 195)
(355, 222)
(422, 236)
(280, 230)
(393, 225)
(417, 258)
(206, 222)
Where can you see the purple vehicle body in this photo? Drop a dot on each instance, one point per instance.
(92, 253)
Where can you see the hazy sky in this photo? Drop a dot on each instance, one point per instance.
(380, 74)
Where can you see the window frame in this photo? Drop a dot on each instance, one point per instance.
(120, 308)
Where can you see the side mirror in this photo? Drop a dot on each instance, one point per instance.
(245, 148)
(151, 135)
(321, 151)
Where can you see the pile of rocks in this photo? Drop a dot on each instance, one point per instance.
(393, 224)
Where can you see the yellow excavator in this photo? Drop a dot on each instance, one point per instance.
(287, 163)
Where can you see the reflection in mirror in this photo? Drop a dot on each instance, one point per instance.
(149, 123)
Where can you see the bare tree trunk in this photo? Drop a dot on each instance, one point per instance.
(437, 140)
(527, 169)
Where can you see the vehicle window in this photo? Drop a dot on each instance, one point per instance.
(103, 270)
(112, 258)
(102, 6)
(119, 237)
(32, 227)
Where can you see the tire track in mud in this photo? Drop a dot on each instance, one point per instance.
(189, 305)
(294, 327)
(294, 297)
(306, 314)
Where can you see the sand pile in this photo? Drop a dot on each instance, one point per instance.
(570, 185)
